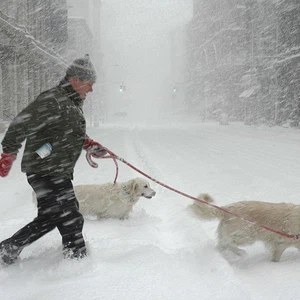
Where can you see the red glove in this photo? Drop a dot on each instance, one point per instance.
(6, 162)
(93, 149)
(96, 149)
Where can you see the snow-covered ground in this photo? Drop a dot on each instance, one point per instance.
(162, 251)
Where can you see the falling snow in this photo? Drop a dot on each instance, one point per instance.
(202, 95)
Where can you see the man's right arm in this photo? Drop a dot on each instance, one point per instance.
(12, 141)
(17, 131)
(39, 114)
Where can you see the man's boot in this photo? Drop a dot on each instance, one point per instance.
(9, 253)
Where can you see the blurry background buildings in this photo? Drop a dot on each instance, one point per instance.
(38, 39)
(200, 58)
(243, 59)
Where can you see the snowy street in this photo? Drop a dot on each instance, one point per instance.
(198, 96)
(162, 251)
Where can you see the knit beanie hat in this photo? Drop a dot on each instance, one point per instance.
(83, 69)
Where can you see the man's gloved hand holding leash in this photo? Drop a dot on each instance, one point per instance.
(93, 149)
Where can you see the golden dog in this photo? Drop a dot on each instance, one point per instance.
(234, 232)
(112, 200)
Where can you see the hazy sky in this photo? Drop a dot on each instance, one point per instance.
(136, 38)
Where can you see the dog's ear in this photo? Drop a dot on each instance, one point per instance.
(134, 187)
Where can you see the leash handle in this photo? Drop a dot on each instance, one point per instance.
(95, 165)
(88, 157)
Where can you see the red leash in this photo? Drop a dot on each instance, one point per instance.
(115, 158)
(89, 154)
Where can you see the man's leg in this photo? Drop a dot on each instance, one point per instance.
(65, 215)
(72, 238)
(11, 248)
(71, 223)
(42, 224)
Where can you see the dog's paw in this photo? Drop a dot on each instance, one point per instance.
(233, 254)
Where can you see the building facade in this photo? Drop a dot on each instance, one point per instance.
(32, 42)
(243, 59)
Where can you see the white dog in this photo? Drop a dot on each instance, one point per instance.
(234, 232)
(112, 200)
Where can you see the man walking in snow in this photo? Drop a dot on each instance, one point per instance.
(54, 128)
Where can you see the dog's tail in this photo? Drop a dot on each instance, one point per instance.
(206, 211)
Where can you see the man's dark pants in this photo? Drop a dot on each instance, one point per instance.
(57, 207)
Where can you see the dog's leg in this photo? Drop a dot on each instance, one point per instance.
(277, 250)
(100, 216)
(226, 244)
(225, 248)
